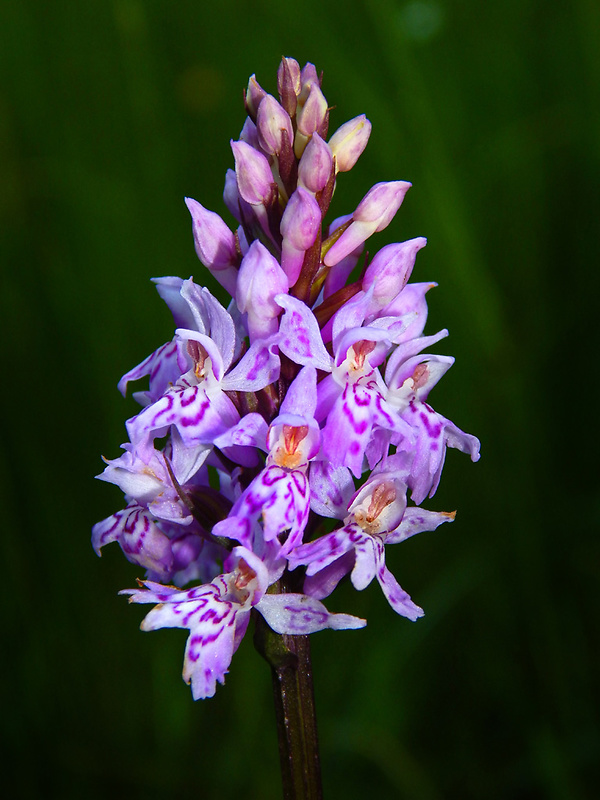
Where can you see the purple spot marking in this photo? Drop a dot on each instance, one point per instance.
(361, 427)
(169, 399)
(433, 431)
(361, 398)
(271, 477)
(259, 362)
(188, 421)
(187, 398)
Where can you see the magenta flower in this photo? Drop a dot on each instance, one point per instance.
(217, 615)
(304, 398)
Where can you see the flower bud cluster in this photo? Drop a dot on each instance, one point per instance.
(306, 400)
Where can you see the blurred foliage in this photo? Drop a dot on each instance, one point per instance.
(111, 111)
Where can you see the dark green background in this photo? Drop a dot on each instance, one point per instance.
(111, 112)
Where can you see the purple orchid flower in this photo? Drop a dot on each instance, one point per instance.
(279, 496)
(305, 399)
(376, 516)
(408, 388)
(217, 615)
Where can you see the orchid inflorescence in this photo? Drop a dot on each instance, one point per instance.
(301, 404)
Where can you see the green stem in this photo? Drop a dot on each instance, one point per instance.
(289, 659)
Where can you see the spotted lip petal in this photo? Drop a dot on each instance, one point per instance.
(300, 615)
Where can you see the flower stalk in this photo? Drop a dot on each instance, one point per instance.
(293, 691)
(303, 400)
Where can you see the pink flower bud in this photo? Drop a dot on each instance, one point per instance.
(310, 117)
(254, 95)
(390, 270)
(314, 168)
(288, 84)
(260, 279)
(300, 224)
(374, 213)
(381, 202)
(271, 121)
(231, 195)
(308, 77)
(249, 134)
(349, 141)
(214, 241)
(253, 173)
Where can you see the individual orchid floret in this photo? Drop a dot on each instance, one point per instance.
(152, 484)
(217, 616)
(300, 224)
(377, 516)
(260, 279)
(279, 496)
(192, 307)
(253, 96)
(288, 84)
(374, 213)
(308, 77)
(249, 134)
(311, 117)
(390, 270)
(408, 389)
(232, 198)
(353, 401)
(272, 123)
(215, 244)
(257, 189)
(315, 166)
(253, 174)
(167, 551)
(141, 538)
(196, 404)
(349, 141)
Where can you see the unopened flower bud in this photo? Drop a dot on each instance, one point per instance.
(300, 224)
(231, 195)
(374, 213)
(260, 278)
(308, 77)
(253, 97)
(288, 84)
(380, 203)
(313, 111)
(310, 118)
(248, 133)
(390, 270)
(349, 141)
(214, 243)
(271, 121)
(253, 173)
(315, 165)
